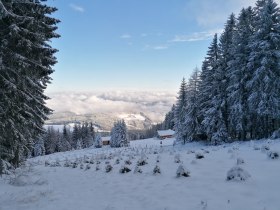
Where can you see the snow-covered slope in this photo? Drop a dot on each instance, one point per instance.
(55, 187)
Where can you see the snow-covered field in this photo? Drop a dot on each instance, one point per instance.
(54, 187)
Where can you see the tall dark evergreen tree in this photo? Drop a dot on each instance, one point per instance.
(238, 74)
(119, 135)
(180, 113)
(264, 63)
(192, 126)
(26, 61)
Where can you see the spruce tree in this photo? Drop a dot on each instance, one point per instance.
(26, 64)
(192, 107)
(180, 113)
(239, 75)
(119, 135)
(264, 63)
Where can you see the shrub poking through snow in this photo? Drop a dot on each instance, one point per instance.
(97, 168)
(190, 151)
(91, 160)
(47, 163)
(117, 161)
(108, 168)
(137, 170)
(265, 148)
(74, 165)
(273, 155)
(87, 167)
(142, 161)
(199, 155)
(67, 163)
(177, 158)
(237, 174)
(158, 159)
(240, 161)
(124, 169)
(182, 172)
(156, 170)
(127, 162)
(82, 166)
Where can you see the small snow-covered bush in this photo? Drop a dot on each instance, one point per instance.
(67, 163)
(177, 158)
(108, 168)
(47, 163)
(265, 148)
(237, 174)
(142, 161)
(198, 155)
(137, 170)
(273, 155)
(240, 161)
(124, 169)
(97, 168)
(74, 165)
(127, 162)
(117, 161)
(87, 167)
(82, 166)
(182, 172)
(156, 170)
(190, 152)
(158, 159)
(91, 160)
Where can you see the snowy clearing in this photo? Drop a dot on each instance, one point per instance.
(83, 187)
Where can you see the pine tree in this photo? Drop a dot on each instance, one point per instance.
(169, 119)
(180, 113)
(39, 147)
(50, 140)
(192, 107)
(66, 139)
(119, 135)
(98, 141)
(26, 64)
(222, 80)
(264, 63)
(239, 75)
(207, 89)
(75, 135)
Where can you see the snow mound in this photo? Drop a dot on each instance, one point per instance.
(237, 174)
(181, 171)
(273, 155)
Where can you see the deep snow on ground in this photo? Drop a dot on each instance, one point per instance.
(37, 186)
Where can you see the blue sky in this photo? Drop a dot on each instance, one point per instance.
(134, 44)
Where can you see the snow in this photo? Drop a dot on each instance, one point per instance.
(106, 138)
(37, 186)
(166, 132)
(129, 117)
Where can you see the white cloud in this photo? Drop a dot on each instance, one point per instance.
(126, 36)
(160, 47)
(197, 36)
(156, 47)
(209, 13)
(77, 8)
(154, 104)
